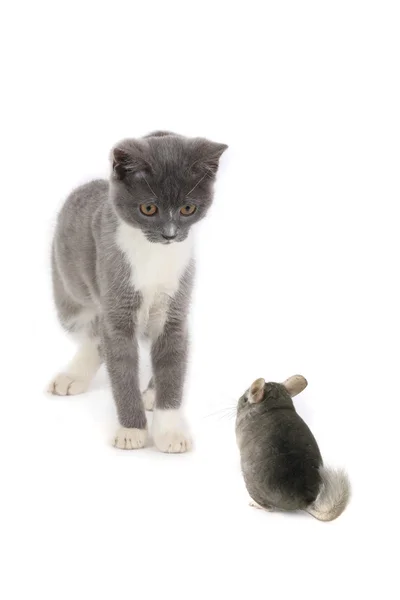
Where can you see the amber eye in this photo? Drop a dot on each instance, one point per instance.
(148, 209)
(188, 209)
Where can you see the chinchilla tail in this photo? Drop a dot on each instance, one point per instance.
(333, 497)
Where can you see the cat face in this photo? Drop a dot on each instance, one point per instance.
(163, 183)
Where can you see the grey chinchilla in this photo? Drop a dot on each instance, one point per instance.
(281, 462)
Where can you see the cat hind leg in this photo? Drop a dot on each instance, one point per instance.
(76, 377)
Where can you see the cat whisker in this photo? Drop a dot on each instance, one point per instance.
(150, 188)
(193, 188)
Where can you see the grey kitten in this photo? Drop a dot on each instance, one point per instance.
(122, 264)
(281, 462)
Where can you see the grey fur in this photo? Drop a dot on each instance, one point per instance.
(169, 350)
(92, 279)
(281, 462)
(167, 170)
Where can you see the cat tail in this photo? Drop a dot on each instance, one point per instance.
(333, 496)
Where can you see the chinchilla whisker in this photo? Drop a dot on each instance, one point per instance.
(227, 416)
(221, 411)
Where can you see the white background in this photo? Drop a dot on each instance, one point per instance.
(298, 272)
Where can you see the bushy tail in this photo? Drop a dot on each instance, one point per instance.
(333, 496)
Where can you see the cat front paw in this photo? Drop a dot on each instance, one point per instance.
(173, 442)
(169, 431)
(128, 438)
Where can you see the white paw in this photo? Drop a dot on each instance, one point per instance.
(149, 398)
(128, 438)
(255, 504)
(173, 442)
(65, 385)
(170, 432)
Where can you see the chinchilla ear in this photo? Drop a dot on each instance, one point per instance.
(256, 391)
(295, 384)
(129, 156)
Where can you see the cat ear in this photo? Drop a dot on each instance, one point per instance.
(206, 156)
(128, 157)
(256, 391)
(295, 384)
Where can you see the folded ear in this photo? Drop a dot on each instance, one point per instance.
(295, 384)
(128, 156)
(206, 156)
(256, 391)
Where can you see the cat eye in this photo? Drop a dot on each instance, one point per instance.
(188, 209)
(148, 209)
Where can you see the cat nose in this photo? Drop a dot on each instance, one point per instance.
(169, 231)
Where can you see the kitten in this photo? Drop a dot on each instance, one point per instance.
(122, 264)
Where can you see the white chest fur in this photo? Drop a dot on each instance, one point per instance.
(156, 270)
